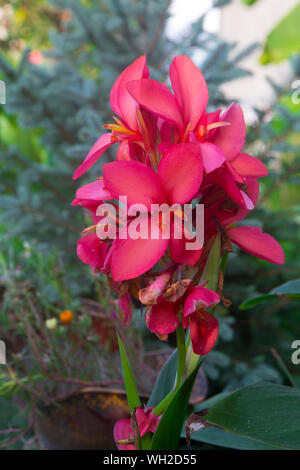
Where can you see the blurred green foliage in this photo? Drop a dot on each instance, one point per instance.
(284, 39)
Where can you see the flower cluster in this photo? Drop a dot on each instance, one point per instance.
(171, 152)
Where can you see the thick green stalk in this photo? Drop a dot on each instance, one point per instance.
(180, 335)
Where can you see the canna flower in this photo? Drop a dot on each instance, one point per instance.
(178, 178)
(123, 432)
(220, 138)
(183, 112)
(164, 317)
(170, 151)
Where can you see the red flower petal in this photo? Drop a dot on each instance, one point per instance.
(204, 329)
(123, 432)
(213, 157)
(190, 89)
(178, 249)
(257, 243)
(224, 179)
(246, 165)
(91, 250)
(147, 421)
(124, 152)
(120, 100)
(156, 98)
(163, 318)
(181, 255)
(93, 192)
(231, 138)
(200, 294)
(181, 171)
(135, 180)
(94, 154)
(131, 258)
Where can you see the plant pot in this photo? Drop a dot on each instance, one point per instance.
(82, 421)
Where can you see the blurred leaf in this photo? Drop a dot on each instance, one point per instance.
(290, 289)
(249, 2)
(284, 39)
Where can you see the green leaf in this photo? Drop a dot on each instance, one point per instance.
(165, 381)
(290, 289)
(218, 437)
(130, 386)
(167, 434)
(249, 2)
(265, 412)
(284, 39)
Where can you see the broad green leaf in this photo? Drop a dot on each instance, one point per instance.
(167, 434)
(130, 386)
(218, 437)
(265, 412)
(165, 381)
(284, 39)
(290, 289)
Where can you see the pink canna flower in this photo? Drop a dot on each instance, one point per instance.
(171, 151)
(123, 432)
(177, 180)
(220, 139)
(185, 110)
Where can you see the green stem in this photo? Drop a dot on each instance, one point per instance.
(180, 335)
(191, 360)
